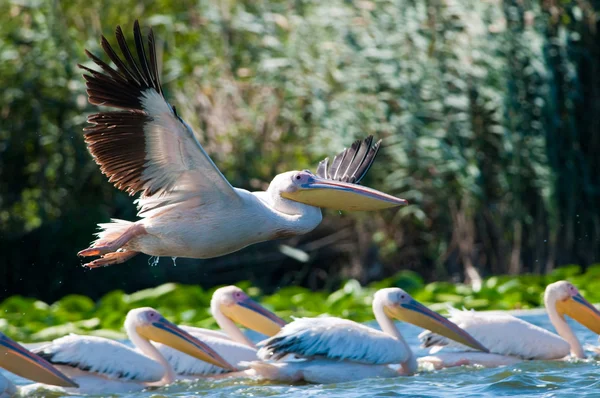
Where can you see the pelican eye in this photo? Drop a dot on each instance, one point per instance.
(298, 177)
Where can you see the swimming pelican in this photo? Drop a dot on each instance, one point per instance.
(187, 206)
(20, 361)
(229, 304)
(337, 350)
(512, 340)
(101, 365)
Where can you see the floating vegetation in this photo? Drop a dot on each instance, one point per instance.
(27, 319)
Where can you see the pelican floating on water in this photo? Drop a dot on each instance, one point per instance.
(187, 206)
(228, 305)
(20, 361)
(512, 340)
(101, 365)
(337, 350)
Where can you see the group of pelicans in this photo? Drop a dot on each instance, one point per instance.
(189, 209)
(316, 350)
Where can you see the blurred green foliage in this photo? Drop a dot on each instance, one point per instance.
(27, 319)
(488, 112)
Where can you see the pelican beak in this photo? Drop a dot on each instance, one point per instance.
(165, 332)
(580, 310)
(20, 361)
(337, 195)
(254, 316)
(419, 315)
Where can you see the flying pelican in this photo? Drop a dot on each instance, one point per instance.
(20, 361)
(229, 304)
(512, 340)
(100, 365)
(337, 350)
(187, 207)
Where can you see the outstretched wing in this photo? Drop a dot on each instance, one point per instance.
(333, 338)
(146, 146)
(352, 164)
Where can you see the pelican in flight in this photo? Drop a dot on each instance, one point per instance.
(228, 305)
(187, 207)
(512, 340)
(20, 361)
(334, 350)
(101, 365)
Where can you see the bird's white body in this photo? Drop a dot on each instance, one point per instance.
(319, 371)
(335, 350)
(340, 340)
(88, 384)
(106, 358)
(204, 230)
(493, 328)
(511, 339)
(332, 350)
(103, 365)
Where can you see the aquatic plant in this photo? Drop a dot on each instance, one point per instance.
(27, 319)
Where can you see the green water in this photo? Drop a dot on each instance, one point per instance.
(537, 378)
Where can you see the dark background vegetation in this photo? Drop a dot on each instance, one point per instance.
(489, 111)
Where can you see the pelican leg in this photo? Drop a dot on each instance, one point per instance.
(112, 246)
(111, 258)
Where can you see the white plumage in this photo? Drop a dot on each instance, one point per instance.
(502, 334)
(101, 356)
(335, 350)
(510, 339)
(319, 371)
(336, 339)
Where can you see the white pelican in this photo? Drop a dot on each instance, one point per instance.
(228, 305)
(512, 340)
(101, 365)
(187, 206)
(337, 350)
(20, 361)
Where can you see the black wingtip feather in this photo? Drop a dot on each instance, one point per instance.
(352, 164)
(116, 139)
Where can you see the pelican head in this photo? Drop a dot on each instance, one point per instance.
(400, 305)
(305, 187)
(237, 306)
(568, 301)
(20, 361)
(151, 325)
